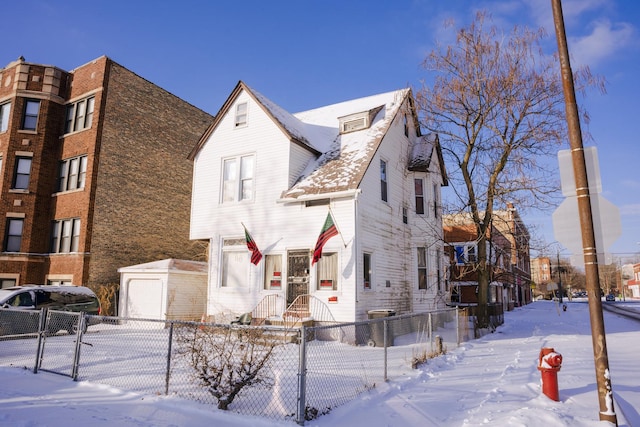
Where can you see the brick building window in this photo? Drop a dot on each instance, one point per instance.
(22, 173)
(72, 173)
(65, 236)
(30, 117)
(7, 282)
(79, 115)
(13, 239)
(5, 110)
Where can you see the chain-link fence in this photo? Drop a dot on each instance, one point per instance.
(275, 372)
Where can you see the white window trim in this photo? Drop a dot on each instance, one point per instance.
(237, 114)
(237, 191)
(238, 246)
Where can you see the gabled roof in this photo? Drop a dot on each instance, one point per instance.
(342, 158)
(290, 126)
(422, 155)
(345, 156)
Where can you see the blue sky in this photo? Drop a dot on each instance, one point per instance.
(304, 54)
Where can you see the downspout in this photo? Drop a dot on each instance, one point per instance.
(356, 240)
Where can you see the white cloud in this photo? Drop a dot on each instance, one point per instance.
(606, 40)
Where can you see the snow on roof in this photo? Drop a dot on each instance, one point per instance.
(342, 158)
(345, 156)
(171, 264)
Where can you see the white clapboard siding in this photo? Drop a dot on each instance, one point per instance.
(365, 222)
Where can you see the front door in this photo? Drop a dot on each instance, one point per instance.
(298, 275)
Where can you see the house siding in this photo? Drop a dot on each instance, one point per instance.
(365, 222)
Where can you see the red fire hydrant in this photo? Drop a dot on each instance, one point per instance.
(549, 365)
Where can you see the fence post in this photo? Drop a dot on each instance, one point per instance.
(302, 376)
(457, 326)
(430, 328)
(384, 339)
(167, 374)
(82, 321)
(41, 324)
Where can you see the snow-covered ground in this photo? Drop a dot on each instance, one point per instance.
(490, 381)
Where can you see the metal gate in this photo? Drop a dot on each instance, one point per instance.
(60, 336)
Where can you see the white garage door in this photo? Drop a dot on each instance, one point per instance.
(144, 298)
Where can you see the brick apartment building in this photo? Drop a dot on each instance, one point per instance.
(94, 173)
(508, 253)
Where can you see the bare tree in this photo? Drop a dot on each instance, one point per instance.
(498, 106)
(226, 359)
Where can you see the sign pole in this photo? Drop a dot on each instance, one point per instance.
(603, 378)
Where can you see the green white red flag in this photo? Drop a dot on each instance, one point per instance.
(328, 231)
(256, 255)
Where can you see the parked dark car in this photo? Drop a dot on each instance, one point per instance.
(610, 297)
(32, 298)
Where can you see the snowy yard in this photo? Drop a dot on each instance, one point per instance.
(493, 380)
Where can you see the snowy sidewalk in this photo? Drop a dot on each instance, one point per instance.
(490, 381)
(495, 381)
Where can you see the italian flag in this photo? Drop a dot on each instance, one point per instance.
(328, 231)
(256, 256)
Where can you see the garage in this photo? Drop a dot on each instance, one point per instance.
(168, 289)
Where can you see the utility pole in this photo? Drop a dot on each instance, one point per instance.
(603, 378)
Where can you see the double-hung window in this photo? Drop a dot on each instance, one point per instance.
(273, 272)
(5, 111)
(465, 254)
(235, 264)
(383, 180)
(72, 173)
(13, 234)
(327, 272)
(367, 269)
(65, 236)
(79, 115)
(22, 173)
(422, 267)
(30, 117)
(418, 185)
(237, 180)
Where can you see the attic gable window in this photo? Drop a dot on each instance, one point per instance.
(358, 121)
(241, 114)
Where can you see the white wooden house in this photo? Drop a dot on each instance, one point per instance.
(279, 175)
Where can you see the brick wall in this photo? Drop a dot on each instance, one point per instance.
(143, 178)
(135, 206)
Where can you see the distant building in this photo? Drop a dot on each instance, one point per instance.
(508, 253)
(94, 172)
(633, 284)
(541, 274)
